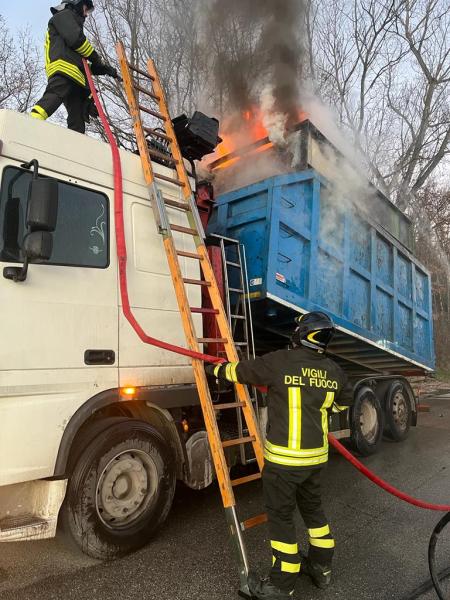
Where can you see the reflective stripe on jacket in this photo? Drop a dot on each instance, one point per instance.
(66, 46)
(303, 386)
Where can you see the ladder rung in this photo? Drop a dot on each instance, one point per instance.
(175, 204)
(197, 282)
(152, 112)
(169, 179)
(238, 441)
(143, 73)
(159, 134)
(189, 254)
(167, 157)
(170, 156)
(247, 479)
(146, 92)
(241, 343)
(182, 229)
(258, 520)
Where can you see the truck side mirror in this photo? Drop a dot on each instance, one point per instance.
(42, 205)
(38, 245)
(42, 215)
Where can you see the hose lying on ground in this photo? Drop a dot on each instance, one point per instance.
(436, 578)
(381, 483)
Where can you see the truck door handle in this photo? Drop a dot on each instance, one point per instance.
(99, 357)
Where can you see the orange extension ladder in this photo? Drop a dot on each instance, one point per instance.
(155, 92)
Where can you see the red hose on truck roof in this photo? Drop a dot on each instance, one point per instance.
(122, 258)
(121, 241)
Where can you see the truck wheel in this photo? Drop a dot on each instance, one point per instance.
(366, 420)
(398, 412)
(120, 490)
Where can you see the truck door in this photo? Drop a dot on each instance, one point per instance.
(58, 329)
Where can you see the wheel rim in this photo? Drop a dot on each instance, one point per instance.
(126, 488)
(400, 411)
(369, 421)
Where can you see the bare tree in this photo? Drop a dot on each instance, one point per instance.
(21, 75)
(385, 66)
(166, 31)
(432, 225)
(425, 27)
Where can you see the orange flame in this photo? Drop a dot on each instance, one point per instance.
(242, 131)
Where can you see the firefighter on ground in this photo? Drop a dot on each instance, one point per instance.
(65, 47)
(303, 386)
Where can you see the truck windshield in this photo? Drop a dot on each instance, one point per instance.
(81, 237)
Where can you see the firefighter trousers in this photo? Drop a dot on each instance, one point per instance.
(62, 90)
(285, 489)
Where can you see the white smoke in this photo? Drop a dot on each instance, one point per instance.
(273, 120)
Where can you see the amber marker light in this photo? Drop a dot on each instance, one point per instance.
(185, 425)
(128, 392)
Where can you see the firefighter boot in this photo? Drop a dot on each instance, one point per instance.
(320, 574)
(263, 589)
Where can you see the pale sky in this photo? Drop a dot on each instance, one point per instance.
(22, 13)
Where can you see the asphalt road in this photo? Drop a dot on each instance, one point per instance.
(381, 550)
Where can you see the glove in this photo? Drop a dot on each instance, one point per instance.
(209, 370)
(102, 69)
(89, 109)
(111, 72)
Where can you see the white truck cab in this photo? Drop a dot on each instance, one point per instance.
(91, 418)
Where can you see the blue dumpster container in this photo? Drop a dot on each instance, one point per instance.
(306, 250)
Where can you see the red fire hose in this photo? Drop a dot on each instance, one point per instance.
(122, 260)
(436, 578)
(381, 483)
(121, 242)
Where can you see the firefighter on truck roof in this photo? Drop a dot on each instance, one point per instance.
(65, 47)
(303, 385)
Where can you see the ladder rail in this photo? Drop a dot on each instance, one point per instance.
(200, 376)
(209, 282)
(213, 289)
(226, 281)
(244, 300)
(228, 306)
(232, 356)
(135, 113)
(248, 311)
(170, 131)
(238, 264)
(249, 304)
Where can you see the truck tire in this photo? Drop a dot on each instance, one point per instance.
(366, 422)
(120, 489)
(398, 412)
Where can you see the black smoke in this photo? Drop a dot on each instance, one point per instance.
(253, 44)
